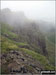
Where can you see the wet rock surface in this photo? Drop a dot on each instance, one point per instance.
(18, 62)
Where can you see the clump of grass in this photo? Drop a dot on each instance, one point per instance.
(7, 45)
(22, 44)
(7, 30)
(12, 35)
(49, 67)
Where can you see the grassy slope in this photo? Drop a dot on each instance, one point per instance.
(51, 50)
(51, 36)
(9, 44)
(7, 30)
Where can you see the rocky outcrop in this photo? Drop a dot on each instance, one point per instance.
(18, 62)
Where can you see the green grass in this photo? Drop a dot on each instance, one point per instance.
(7, 30)
(51, 37)
(42, 59)
(12, 35)
(22, 44)
(8, 44)
(6, 27)
(35, 55)
(51, 51)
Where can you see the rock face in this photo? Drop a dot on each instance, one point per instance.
(18, 62)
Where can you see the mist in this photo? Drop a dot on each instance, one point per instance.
(34, 10)
(27, 37)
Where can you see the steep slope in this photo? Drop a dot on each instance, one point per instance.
(23, 42)
(11, 46)
(51, 35)
(27, 34)
(11, 51)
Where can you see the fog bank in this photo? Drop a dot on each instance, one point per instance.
(35, 10)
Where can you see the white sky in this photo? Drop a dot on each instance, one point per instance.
(41, 10)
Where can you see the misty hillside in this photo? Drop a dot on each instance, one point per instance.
(27, 46)
(12, 18)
